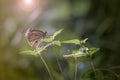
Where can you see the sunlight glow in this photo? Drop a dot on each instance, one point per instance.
(28, 1)
(28, 5)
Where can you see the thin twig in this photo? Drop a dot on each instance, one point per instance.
(92, 65)
(75, 74)
(42, 49)
(50, 74)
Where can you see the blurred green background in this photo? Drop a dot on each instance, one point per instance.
(97, 20)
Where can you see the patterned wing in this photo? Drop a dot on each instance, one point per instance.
(34, 37)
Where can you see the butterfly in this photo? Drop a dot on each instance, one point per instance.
(34, 37)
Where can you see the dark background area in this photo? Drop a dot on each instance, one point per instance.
(97, 20)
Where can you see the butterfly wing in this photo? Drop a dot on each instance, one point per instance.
(34, 37)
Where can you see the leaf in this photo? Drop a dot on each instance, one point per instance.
(56, 33)
(30, 52)
(75, 54)
(73, 41)
(93, 50)
(74, 51)
(47, 39)
(84, 41)
(73, 57)
(58, 43)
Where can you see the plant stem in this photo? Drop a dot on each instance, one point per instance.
(92, 65)
(42, 49)
(46, 67)
(60, 68)
(75, 74)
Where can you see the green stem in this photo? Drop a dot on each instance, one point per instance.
(42, 49)
(75, 74)
(92, 65)
(60, 68)
(46, 67)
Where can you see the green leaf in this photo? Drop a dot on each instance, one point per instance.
(93, 50)
(75, 51)
(56, 33)
(76, 54)
(84, 41)
(27, 51)
(30, 52)
(47, 39)
(73, 41)
(58, 43)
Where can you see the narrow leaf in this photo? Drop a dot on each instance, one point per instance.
(84, 41)
(58, 43)
(47, 39)
(56, 33)
(76, 56)
(27, 51)
(73, 41)
(75, 51)
(30, 52)
(93, 50)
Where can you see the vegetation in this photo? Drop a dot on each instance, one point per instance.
(87, 48)
(83, 51)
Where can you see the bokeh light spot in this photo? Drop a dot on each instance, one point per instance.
(28, 5)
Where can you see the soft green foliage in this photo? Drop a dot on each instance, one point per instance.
(58, 43)
(76, 55)
(81, 53)
(73, 41)
(47, 39)
(57, 33)
(50, 41)
(97, 20)
(92, 50)
(31, 52)
(51, 38)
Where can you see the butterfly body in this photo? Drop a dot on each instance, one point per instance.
(34, 36)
